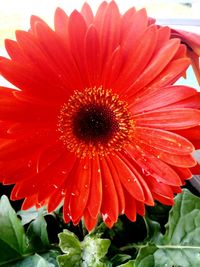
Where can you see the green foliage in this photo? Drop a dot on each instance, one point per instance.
(128, 264)
(17, 248)
(175, 245)
(44, 260)
(12, 236)
(180, 246)
(37, 234)
(88, 253)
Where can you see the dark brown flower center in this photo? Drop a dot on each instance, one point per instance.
(95, 122)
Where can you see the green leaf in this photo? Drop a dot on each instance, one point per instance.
(31, 214)
(37, 234)
(93, 250)
(88, 253)
(16, 248)
(153, 231)
(70, 245)
(146, 256)
(12, 236)
(129, 264)
(120, 258)
(45, 260)
(180, 246)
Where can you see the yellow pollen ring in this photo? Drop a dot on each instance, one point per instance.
(101, 98)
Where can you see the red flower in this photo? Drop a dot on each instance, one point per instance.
(192, 42)
(94, 122)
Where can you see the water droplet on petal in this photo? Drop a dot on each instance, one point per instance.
(76, 193)
(63, 192)
(85, 167)
(143, 171)
(104, 216)
(30, 163)
(55, 186)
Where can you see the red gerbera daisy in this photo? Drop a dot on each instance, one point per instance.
(192, 42)
(96, 122)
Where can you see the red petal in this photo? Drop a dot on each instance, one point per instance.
(10, 148)
(192, 134)
(95, 196)
(19, 75)
(130, 209)
(90, 222)
(59, 174)
(160, 98)
(164, 140)
(128, 178)
(171, 73)
(15, 52)
(29, 202)
(110, 31)
(80, 188)
(163, 37)
(182, 52)
(49, 177)
(184, 161)
(113, 68)
(195, 64)
(191, 102)
(127, 21)
(183, 173)
(173, 119)
(148, 199)
(99, 17)
(196, 170)
(118, 186)
(77, 31)
(86, 11)
(140, 208)
(159, 188)
(55, 199)
(142, 54)
(164, 200)
(34, 20)
(155, 167)
(93, 57)
(59, 57)
(133, 26)
(109, 207)
(108, 222)
(161, 59)
(61, 24)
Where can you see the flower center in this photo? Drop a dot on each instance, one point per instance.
(95, 121)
